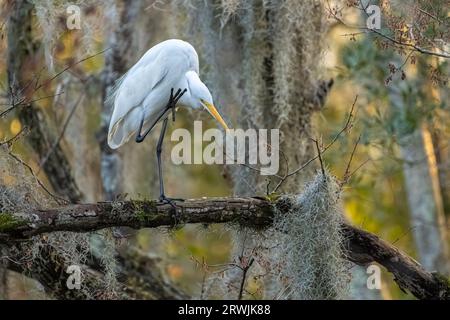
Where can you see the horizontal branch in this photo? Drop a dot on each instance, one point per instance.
(361, 247)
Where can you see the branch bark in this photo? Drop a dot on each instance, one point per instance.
(361, 247)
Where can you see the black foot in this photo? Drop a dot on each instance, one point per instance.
(174, 100)
(171, 201)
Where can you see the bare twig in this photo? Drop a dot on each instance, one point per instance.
(11, 141)
(23, 101)
(257, 169)
(319, 156)
(245, 269)
(73, 65)
(63, 130)
(346, 176)
(359, 167)
(58, 199)
(386, 37)
(345, 128)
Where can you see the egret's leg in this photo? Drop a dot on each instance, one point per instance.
(162, 196)
(140, 137)
(173, 100)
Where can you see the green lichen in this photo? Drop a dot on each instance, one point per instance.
(9, 222)
(144, 209)
(273, 197)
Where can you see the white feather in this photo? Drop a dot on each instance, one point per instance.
(145, 88)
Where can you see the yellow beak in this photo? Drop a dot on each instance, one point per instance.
(213, 111)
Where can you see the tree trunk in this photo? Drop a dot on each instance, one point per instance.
(22, 56)
(421, 184)
(122, 15)
(424, 199)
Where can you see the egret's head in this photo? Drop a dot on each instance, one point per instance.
(201, 97)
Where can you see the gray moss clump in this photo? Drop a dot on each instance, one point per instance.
(261, 60)
(20, 192)
(312, 263)
(299, 257)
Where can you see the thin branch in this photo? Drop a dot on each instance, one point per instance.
(359, 167)
(24, 102)
(63, 130)
(386, 37)
(345, 128)
(71, 66)
(58, 199)
(27, 103)
(410, 45)
(346, 176)
(12, 140)
(244, 276)
(320, 157)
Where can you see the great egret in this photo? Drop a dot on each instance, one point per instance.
(140, 96)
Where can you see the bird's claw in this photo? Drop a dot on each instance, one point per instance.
(171, 201)
(174, 100)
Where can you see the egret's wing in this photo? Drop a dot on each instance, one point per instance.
(112, 93)
(133, 89)
(145, 88)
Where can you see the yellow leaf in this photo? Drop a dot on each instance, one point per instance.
(15, 126)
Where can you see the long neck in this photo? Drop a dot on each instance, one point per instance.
(194, 86)
(186, 99)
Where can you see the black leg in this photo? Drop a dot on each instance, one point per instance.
(162, 196)
(177, 97)
(173, 100)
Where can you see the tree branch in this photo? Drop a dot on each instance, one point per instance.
(361, 247)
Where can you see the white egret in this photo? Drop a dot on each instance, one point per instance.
(140, 96)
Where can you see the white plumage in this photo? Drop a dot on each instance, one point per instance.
(145, 89)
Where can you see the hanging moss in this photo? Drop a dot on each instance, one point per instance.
(22, 193)
(310, 257)
(263, 58)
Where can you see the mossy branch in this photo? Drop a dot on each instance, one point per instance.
(361, 247)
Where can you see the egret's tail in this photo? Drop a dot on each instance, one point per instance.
(122, 129)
